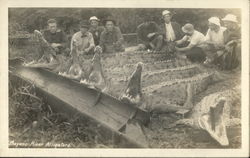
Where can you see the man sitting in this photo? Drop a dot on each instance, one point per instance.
(148, 35)
(214, 40)
(53, 41)
(192, 42)
(171, 31)
(95, 29)
(83, 40)
(232, 39)
(111, 39)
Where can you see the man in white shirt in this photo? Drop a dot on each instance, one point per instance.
(170, 30)
(83, 40)
(194, 40)
(214, 40)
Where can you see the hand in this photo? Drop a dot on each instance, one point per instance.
(98, 49)
(141, 47)
(82, 52)
(117, 44)
(177, 49)
(150, 35)
(55, 45)
(56, 49)
(86, 50)
(227, 48)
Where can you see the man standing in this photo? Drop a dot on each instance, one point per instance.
(95, 29)
(111, 39)
(83, 39)
(148, 35)
(171, 31)
(193, 41)
(214, 40)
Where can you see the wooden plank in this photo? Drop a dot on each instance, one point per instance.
(108, 111)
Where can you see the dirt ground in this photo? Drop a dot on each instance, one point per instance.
(25, 113)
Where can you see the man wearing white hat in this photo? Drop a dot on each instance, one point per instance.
(194, 41)
(232, 38)
(95, 29)
(171, 31)
(214, 40)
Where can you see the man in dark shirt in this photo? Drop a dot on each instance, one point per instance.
(55, 37)
(95, 29)
(111, 39)
(148, 35)
(171, 31)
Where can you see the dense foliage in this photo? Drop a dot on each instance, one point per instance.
(128, 19)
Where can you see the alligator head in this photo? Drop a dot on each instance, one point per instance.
(133, 92)
(213, 122)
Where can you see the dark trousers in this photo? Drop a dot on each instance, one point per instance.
(196, 54)
(156, 43)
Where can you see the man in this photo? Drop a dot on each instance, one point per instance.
(148, 35)
(171, 31)
(83, 40)
(95, 29)
(52, 43)
(232, 38)
(193, 41)
(214, 40)
(55, 37)
(111, 39)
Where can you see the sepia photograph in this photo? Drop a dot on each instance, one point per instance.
(125, 77)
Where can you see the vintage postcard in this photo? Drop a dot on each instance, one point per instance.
(160, 78)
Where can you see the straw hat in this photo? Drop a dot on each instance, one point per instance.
(188, 28)
(165, 12)
(230, 17)
(94, 18)
(214, 20)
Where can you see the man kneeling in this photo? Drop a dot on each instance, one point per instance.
(191, 44)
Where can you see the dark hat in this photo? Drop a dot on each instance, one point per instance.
(109, 19)
(51, 21)
(84, 24)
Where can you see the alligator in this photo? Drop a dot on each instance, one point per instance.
(213, 114)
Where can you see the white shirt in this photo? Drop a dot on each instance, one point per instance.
(170, 35)
(82, 41)
(196, 39)
(216, 37)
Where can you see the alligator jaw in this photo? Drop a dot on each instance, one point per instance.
(213, 123)
(132, 93)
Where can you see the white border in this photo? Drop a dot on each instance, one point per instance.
(5, 151)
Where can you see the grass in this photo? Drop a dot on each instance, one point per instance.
(32, 123)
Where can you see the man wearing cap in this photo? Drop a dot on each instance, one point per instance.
(148, 35)
(111, 39)
(95, 29)
(171, 31)
(83, 40)
(194, 41)
(214, 40)
(232, 38)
